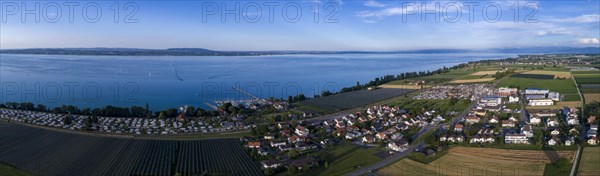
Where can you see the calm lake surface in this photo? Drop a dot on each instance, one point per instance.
(172, 81)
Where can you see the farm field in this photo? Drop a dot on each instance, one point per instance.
(479, 80)
(442, 106)
(589, 83)
(6, 170)
(591, 97)
(398, 85)
(478, 161)
(345, 158)
(587, 79)
(561, 74)
(353, 99)
(48, 152)
(590, 161)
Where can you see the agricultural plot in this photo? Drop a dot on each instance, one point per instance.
(47, 152)
(353, 99)
(589, 84)
(533, 76)
(480, 80)
(214, 157)
(478, 161)
(556, 74)
(587, 79)
(590, 161)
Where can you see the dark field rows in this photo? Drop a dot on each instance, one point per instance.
(353, 99)
(45, 152)
(533, 76)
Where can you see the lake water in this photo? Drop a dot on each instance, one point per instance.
(172, 81)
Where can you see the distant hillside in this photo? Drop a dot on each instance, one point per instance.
(207, 52)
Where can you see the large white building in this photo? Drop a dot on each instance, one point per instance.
(541, 102)
(536, 91)
(516, 139)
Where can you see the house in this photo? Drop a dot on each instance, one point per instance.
(352, 135)
(368, 139)
(480, 112)
(570, 141)
(398, 146)
(443, 138)
(429, 152)
(555, 132)
(513, 99)
(505, 91)
(296, 139)
(552, 122)
(535, 120)
(516, 139)
(508, 123)
(253, 144)
(494, 119)
(555, 96)
(527, 130)
(593, 141)
(301, 131)
(541, 102)
(270, 164)
(459, 138)
(591, 119)
(553, 141)
(512, 119)
(269, 137)
(278, 143)
(473, 119)
(381, 136)
(458, 127)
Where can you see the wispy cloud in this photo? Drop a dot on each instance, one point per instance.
(587, 18)
(373, 3)
(589, 41)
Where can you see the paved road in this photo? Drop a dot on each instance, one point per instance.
(384, 162)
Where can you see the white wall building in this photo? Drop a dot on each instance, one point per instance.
(541, 102)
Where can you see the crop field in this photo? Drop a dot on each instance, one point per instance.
(590, 161)
(479, 161)
(587, 79)
(488, 72)
(561, 74)
(532, 76)
(591, 97)
(48, 152)
(458, 81)
(353, 99)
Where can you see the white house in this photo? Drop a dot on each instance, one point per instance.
(555, 132)
(535, 120)
(552, 122)
(512, 99)
(536, 91)
(301, 131)
(555, 96)
(270, 164)
(398, 146)
(593, 141)
(553, 141)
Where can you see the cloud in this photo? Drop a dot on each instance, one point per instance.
(587, 18)
(589, 41)
(373, 3)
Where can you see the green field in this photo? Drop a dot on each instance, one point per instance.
(587, 72)
(590, 161)
(6, 170)
(345, 158)
(588, 79)
(442, 106)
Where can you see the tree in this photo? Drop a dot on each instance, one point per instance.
(293, 153)
(293, 169)
(326, 165)
(268, 171)
(161, 115)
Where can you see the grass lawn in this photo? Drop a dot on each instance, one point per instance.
(12, 171)
(442, 106)
(590, 161)
(345, 158)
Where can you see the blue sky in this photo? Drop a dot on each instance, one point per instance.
(356, 25)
